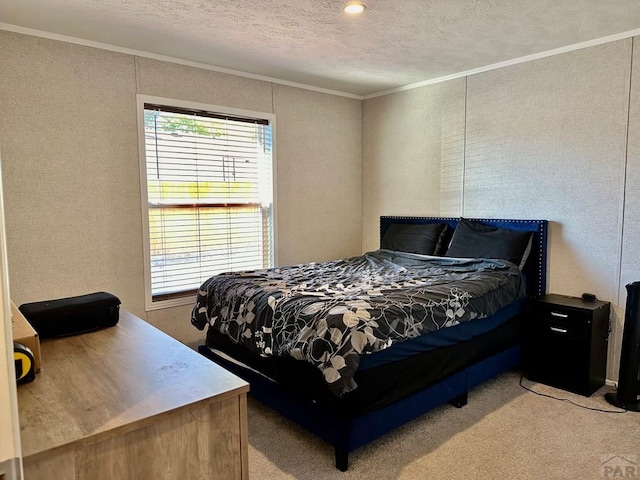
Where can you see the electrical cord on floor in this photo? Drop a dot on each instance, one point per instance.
(568, 400)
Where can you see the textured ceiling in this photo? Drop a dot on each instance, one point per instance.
(312, 42)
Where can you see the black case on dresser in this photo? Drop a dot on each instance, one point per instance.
(567, 342)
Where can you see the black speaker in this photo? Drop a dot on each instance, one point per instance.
(72, 315)
(628, 394)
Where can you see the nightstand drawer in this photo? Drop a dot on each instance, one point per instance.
(559, 313)
(566, 329)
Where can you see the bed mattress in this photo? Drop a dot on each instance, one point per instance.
(332, 314)
(378, 386)
(440, 338)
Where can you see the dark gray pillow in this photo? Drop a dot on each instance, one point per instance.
(476, 240)
(425, 239)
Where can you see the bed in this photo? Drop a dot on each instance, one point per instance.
(354, 348)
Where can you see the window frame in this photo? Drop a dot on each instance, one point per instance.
(141, 100)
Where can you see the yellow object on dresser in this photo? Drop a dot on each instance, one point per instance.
(130, 402)
(25, 334)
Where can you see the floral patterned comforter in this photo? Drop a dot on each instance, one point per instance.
(331, 313)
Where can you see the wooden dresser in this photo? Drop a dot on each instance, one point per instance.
(130, 402)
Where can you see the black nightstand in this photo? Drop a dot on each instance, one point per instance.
(567, 342)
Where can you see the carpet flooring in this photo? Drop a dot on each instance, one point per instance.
(504, 432)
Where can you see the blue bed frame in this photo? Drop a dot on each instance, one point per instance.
(347, 433)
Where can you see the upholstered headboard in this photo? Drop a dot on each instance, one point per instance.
(535, 269)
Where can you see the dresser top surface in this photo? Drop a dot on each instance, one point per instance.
(114, 378)
(572, 302)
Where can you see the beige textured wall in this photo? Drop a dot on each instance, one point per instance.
(72, 201)
(319, 149)
(71, 177)
(413, 151)
(631, 234)
(544, 139)
(547, 139)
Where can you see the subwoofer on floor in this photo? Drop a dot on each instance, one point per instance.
(628, 394)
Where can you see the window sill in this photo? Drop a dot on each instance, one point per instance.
(169, 303)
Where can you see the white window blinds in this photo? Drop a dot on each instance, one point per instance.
(210, 200)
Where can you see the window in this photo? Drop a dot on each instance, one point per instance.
(207, 195)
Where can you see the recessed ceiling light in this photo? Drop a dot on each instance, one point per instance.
(355, 7)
